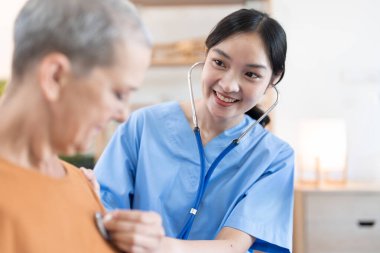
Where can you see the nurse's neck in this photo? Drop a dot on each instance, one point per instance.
(211, 125)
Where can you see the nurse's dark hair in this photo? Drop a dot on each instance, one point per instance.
(86, 31)
(253, 21)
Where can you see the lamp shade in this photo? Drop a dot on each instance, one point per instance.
(322, 143)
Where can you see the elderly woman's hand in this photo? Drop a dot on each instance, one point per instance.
(135, 231)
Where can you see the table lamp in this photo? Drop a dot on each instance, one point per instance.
(322, 151)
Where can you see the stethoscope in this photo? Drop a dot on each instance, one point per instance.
(205, 177)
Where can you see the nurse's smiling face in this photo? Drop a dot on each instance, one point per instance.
(236, 74)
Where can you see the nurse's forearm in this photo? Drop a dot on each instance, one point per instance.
(171, 245)
(229, 240)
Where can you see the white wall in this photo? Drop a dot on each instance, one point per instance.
(333, 70)
(9, 10)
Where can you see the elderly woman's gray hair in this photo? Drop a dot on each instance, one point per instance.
(86, 31)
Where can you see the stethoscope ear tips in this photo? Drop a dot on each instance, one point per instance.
(100, 225)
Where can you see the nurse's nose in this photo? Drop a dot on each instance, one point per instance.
(229, 82)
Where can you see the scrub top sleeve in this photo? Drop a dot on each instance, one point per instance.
(115, 169)
(266, 211)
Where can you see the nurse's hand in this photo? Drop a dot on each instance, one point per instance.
(135, 231)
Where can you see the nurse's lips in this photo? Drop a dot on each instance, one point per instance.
(225, 99)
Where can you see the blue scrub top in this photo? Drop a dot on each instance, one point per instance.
(152, 163)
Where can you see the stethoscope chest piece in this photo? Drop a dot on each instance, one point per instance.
(100, 226)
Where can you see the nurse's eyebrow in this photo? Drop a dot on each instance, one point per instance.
(251, 65)
(217, 50)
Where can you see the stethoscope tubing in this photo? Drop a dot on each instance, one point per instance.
(203, 180)
(190, 85)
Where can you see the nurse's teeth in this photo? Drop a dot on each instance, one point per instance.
(228, 100)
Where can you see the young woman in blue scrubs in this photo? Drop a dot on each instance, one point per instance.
(152, 162)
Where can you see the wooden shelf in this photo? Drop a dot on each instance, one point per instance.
(184, 52)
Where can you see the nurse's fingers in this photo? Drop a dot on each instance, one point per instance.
(149, 230)
(134, 231)
(133, 216)
(135, 243)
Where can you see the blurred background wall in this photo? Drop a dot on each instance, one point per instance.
(333, 70)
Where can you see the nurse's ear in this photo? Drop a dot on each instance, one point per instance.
(52, 72)
(276, 78)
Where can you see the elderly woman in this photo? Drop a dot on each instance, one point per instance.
(74, 65)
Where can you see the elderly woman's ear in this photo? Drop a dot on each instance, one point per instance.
(53, 70)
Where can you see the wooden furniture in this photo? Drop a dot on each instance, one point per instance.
(337, 219)
(185, 52)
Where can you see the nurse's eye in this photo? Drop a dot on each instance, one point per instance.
(252, 75)
(219, 63)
